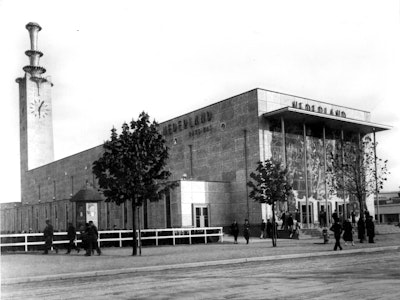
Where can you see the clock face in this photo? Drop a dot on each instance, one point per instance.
(39, 108)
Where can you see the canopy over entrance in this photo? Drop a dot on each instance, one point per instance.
(331, 121)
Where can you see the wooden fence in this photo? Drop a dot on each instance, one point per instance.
(110, 237)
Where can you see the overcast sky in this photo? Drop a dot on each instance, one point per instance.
(110, 60)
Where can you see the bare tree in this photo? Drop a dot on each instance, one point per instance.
(354, 169)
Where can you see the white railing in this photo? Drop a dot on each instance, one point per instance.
(175, 234)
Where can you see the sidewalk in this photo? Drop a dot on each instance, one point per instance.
(31, 267)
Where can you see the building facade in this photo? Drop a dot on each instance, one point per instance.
(388, 207)
(212, 152)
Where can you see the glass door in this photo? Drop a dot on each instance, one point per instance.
(303, 213)
(201, 216)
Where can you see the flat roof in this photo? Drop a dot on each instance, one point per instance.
(332, 121)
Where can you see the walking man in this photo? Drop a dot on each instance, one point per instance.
(235, 231)
(335, 216)
(92, 239)
(246, 230)
(370, 226)
(48, 233)
(71, 233)
(337, 229)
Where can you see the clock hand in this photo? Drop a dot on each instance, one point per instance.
(40, 107)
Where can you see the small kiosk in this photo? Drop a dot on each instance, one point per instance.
(86, 202)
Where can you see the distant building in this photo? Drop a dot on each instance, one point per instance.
(212, 152)
(389, 207)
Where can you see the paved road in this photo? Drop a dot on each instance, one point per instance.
(354, 276)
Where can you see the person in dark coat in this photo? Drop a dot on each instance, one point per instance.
(353, 218)
(48, 234)
(269, 228)
(361, 229)
(92, 239)
(71, 233)
(283, 218)
(370, 226)
(348, 232)
(337, 229)
(235, 231)
(297, 216)
(262, 230)
(246, 230)
(335, 216)
(322, 218)
(85, 236)
(290, 222)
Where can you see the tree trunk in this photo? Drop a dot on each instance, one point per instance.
(134, 245)
(362, 206)
(274, 233)
(139, 232)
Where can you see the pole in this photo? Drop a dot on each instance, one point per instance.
(191, 160)
(344, 196)
(245, 172)
(305, 172)
(363, 195)
(326, 186)
(376, 181)
(283, 141)
(134, 247)
(284, 152)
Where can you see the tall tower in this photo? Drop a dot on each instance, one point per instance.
(36, 124)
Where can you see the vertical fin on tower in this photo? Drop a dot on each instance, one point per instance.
(34, 69)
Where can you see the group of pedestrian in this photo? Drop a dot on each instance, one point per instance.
(246, 231)
(89, 236)
(291, 224)
(266, 228)
(347, 228)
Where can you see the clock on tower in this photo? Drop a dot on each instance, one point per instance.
(39, 108)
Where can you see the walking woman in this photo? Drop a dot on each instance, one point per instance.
(348, 232)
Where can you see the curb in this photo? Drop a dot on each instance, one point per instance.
(10, 281)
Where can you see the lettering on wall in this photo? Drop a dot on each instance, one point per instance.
(200, 131)
(190, 123)
(319, 109)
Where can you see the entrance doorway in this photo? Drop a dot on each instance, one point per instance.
(340, 210)
(201, 216)
(303, 213)
(322, 219)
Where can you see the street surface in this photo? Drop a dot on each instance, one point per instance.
(374, 275)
